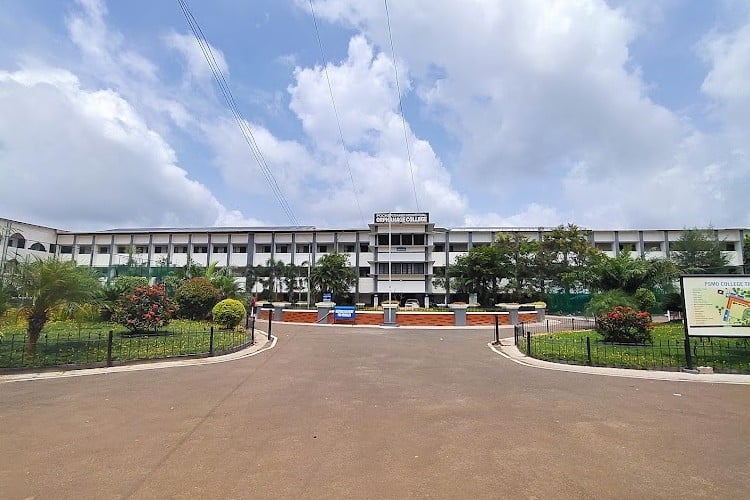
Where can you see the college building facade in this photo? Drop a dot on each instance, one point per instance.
(398, 254)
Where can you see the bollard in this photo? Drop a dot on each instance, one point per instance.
(211, 343)
(497, 330)
(588, 350)
(270, 317)
(109, 348)
(252, 332)
(528, 343)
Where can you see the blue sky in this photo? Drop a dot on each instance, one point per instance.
(627, 114)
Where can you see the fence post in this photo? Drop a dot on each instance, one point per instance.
(270, 318)
(497, 330)
(211, 342)
(252, 332)
(588, 349)
(547, 326)
(109, 348)
(688, 354)
(528, 343)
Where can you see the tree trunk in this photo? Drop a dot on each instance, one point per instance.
(36, 323)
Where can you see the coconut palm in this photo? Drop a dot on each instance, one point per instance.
(46, 284)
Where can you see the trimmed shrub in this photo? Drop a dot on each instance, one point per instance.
(625, 325)
(672, 302)
(195, 298)
(127, 284)
(147, 309)
(602, 303)
(229, 312)
(645, 298)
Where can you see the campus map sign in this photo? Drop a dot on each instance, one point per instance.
(717, 305)
(402, 218)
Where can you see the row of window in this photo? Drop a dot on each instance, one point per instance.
(650, 246)
(158, 249)
(401, 239)
(401, 268)
(305, 248)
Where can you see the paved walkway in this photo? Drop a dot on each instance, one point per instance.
(337, 412)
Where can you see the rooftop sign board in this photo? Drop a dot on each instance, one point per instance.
(402, 218)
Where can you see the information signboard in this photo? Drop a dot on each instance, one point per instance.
(717, 306)
(344, 313)
(326, 296)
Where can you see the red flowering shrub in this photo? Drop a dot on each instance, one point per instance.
(146, 309)
(625, 325)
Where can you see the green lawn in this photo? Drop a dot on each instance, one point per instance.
(667, 352)
(85, 344)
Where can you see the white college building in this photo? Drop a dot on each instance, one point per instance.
(418, 249)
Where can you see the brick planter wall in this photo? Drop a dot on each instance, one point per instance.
(403, 318)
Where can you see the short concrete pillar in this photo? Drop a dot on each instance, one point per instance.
(540, 313)
(324, 309)
(278, 310)
(512, 310)
(459, 314)
(389, 314)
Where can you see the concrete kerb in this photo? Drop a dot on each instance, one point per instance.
(262, 344)
(512, 353)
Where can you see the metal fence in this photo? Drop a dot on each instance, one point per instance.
(724, 355)
(85, 348)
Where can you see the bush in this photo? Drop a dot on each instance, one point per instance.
(229, 312)
(196, 297)
(601, 303)
(127, 284)
(146, 309)
(625, 325)
(645, 298)
(672, 302)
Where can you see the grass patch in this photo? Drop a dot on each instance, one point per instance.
(85, 344)
(666, 352)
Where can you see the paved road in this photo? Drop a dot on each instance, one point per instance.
(370, 413)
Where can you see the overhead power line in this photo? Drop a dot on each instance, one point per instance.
(336, 113)
(247, 133)
(401, 106)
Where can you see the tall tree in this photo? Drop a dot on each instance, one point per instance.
(479, 271)
(333, 274)
(563, 259)
(698, 251)
(628, 274)
(51, 283)
(517, 258)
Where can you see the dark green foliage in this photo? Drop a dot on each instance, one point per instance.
(601, 303)
(672, 302)
(645, 299)
(146, 309)
(51, 283)
(195, 298)
(333, 274)
(229, 312)
(628, 274)
(698, 251)
(625, 325)
(127, 284)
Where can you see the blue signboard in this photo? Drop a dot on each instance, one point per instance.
(344, 313)
(326, 296)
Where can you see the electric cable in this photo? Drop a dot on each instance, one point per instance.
(336, 113)
(400, 105)
(226, 92)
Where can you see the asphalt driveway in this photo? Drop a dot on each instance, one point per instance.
(369, 413)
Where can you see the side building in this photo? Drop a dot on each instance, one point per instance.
(397, 255)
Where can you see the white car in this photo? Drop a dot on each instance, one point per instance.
(411, 304)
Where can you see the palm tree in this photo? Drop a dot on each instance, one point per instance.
(47, 284)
